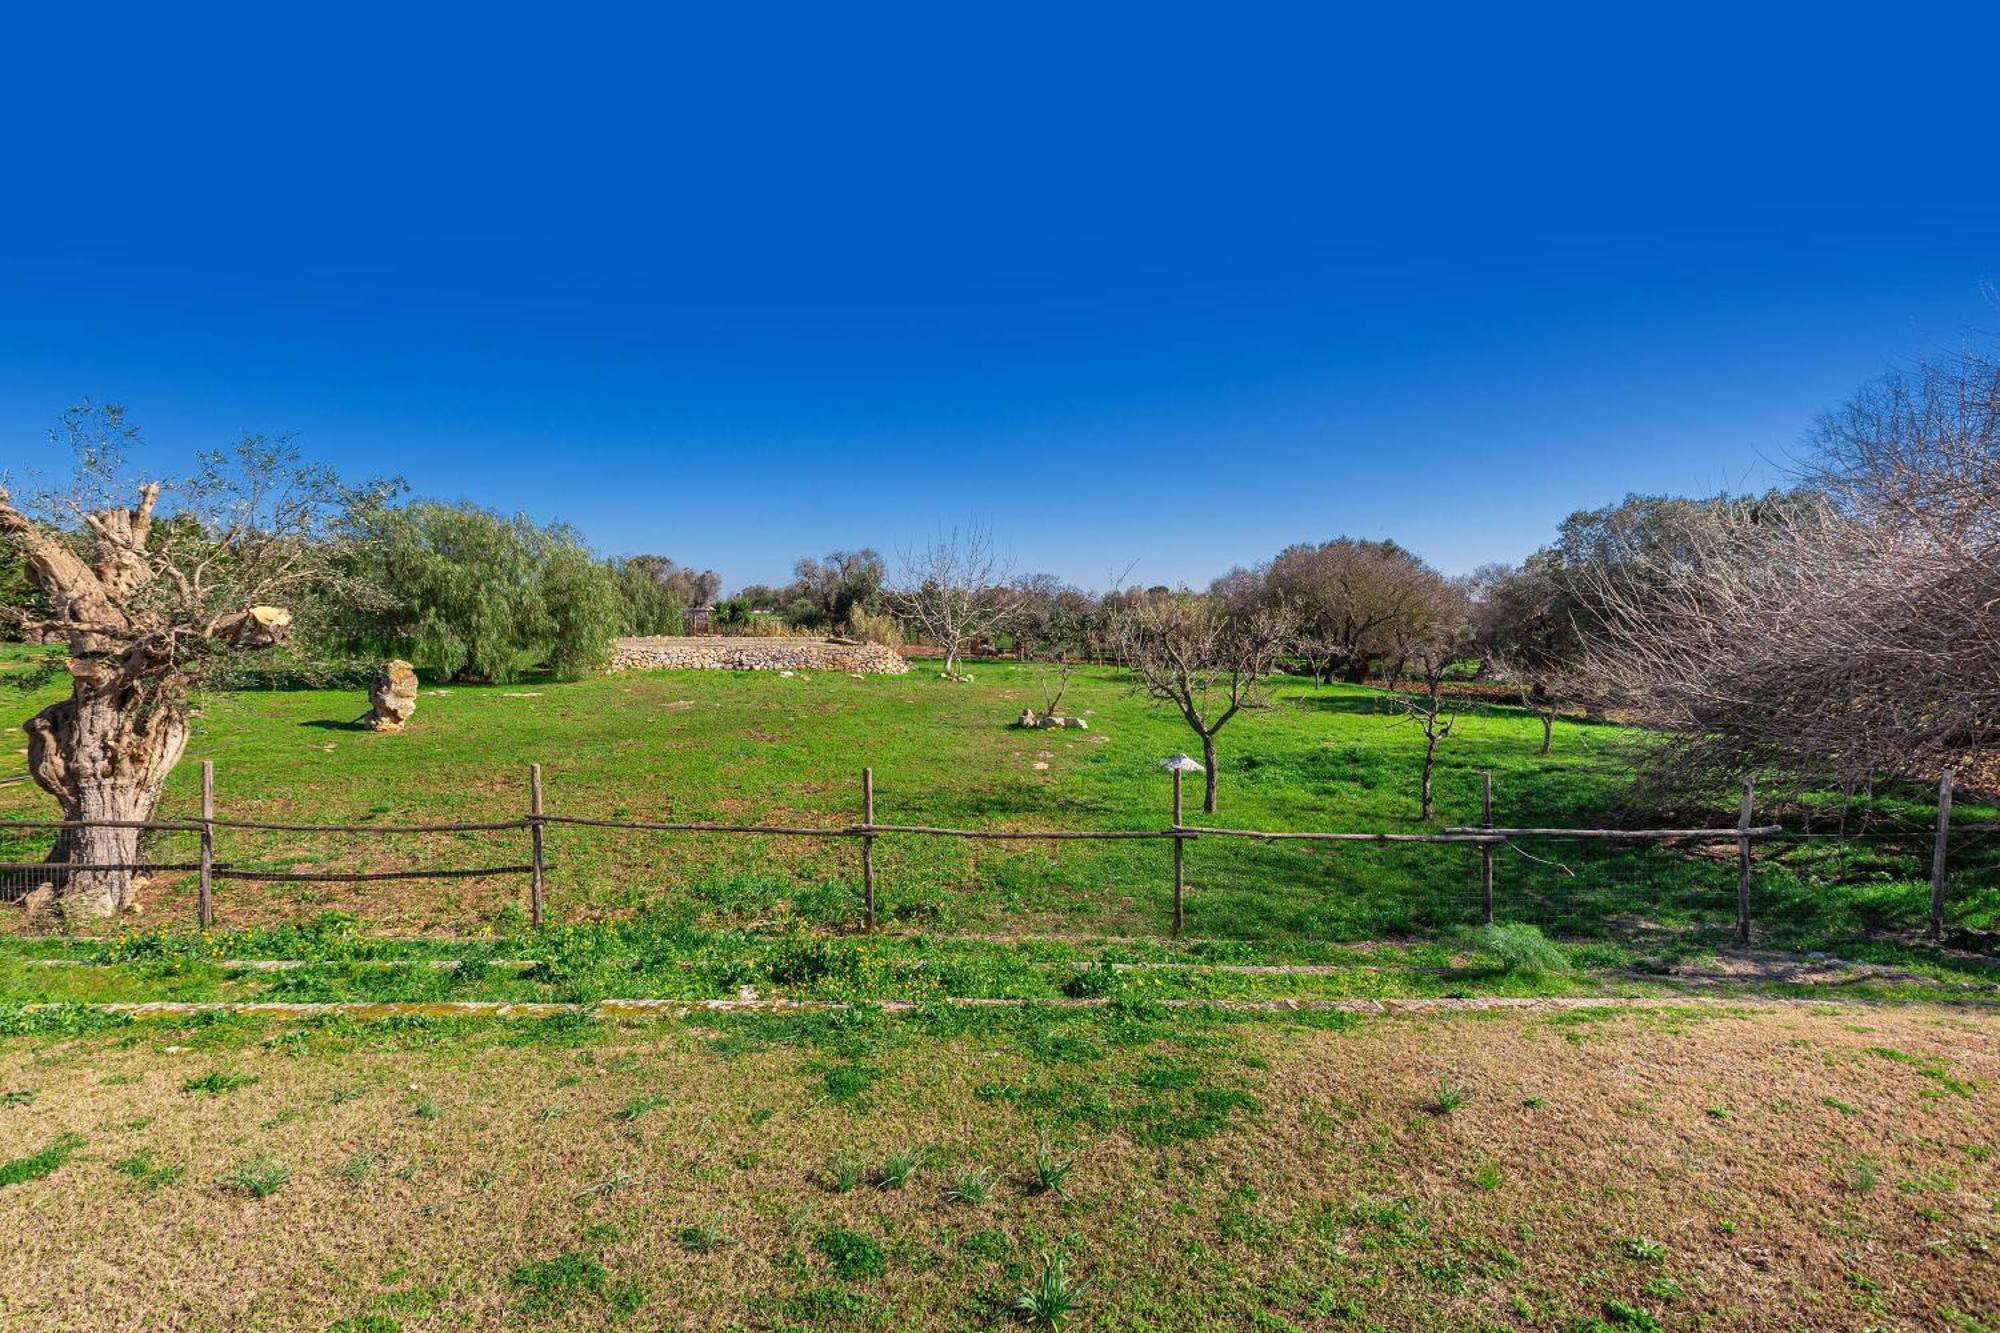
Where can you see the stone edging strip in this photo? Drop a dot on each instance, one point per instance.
(635, 1008)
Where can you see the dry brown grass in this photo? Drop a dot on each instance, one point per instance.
(1707, 1132)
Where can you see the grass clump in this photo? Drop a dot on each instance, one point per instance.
(34, 1166)
(1052, 1298)
(896, 1171)
(216, 1082)
(970, 1187)
(844, 1175)
(1446, 1097)
(147, 1172)
(1516, 948)
(636, 1108)
(258, 1177)
(854, 1257)
(549, 1286)
(1051, 1171)
(705, 1238)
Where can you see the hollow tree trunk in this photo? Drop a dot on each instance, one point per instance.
(1208, 777)
(103, 754)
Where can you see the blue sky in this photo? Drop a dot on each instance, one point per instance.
(1173, 285)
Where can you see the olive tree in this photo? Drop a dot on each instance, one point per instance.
(156, 586)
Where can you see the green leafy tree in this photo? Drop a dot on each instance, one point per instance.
(473, 595)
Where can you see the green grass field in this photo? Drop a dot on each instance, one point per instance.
(740, 747)
(1125, 1132)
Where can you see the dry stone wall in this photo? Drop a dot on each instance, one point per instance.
(716, 654)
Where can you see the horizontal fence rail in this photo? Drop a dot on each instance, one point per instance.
(1486, 837)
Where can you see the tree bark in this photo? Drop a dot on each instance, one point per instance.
(103, 754)
(1208, 777)
(1430, 762)
(1548, 731)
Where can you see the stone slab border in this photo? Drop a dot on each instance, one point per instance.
(614, 1009)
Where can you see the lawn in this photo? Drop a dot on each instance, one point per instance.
(1331, 1102)
(1726, 1167)
(745, 747)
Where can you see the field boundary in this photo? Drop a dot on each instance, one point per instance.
(653, 1008)
(1485, 837)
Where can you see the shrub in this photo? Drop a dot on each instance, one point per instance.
(473, 595)
(874, 627)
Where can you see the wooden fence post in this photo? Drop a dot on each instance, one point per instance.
(868, 849)
(535, 842)
(1180, 862)
(1938, 853)
(1743, 862)
(205, 904)
(1486, 849)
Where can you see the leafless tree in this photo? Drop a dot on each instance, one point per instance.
(1205, 660)
(1052, 625)
(955, 587)
(1429, 647)
(153, 600)
(1850, 635)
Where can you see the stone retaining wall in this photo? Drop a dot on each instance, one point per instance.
(718, 654)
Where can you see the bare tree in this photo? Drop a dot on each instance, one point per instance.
(1842, 637)
(1430, 646)
(153, 601)
(1208, 662)
(955, 587)
(1052, 625)
(1525, 634)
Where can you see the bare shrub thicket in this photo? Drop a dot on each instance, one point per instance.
(1850, 634)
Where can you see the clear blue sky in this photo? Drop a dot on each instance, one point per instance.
(1179, 285)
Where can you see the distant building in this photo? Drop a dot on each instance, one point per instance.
(698, 619)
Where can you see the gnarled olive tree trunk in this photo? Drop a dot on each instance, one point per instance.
(104, 753)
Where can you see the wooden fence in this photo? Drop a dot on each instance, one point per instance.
(1485, 836)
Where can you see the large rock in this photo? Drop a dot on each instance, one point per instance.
(393, 697)
(716, 654)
